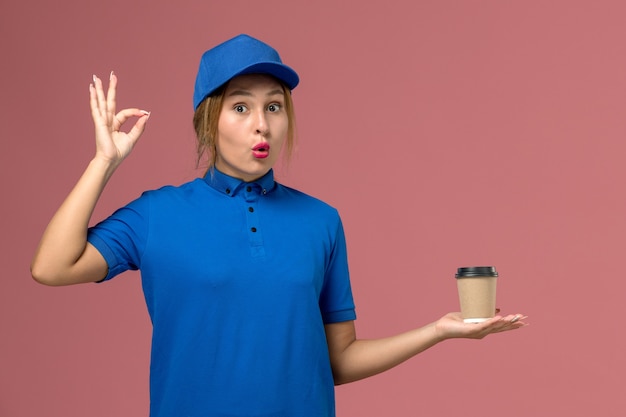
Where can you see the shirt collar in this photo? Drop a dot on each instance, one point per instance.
(231, 186)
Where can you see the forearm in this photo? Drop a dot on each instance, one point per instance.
(65, 238)
(353, 359)
(363, 358)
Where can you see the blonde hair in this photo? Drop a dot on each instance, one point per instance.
(206, 119)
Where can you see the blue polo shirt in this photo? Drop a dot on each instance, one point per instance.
(239, 279)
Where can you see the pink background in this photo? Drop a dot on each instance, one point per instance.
(447, 133)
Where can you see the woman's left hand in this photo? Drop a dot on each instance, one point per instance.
(452, 326)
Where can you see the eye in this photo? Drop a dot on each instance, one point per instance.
(240, 108)
(274, 107)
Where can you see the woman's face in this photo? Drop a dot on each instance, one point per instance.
(252, 127)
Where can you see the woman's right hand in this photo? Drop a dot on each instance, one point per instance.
(112, 144)
(64, 256)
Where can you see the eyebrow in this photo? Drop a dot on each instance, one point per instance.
(249, 94)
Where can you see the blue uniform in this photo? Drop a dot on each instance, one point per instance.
(239, 279)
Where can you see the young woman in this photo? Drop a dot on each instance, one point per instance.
(246, 280)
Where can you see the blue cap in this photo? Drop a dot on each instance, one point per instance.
(238, 56)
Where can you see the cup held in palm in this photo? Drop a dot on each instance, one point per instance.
(477, 292)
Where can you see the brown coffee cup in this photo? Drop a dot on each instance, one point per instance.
(477, 292)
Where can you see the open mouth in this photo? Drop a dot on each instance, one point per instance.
(261, 150)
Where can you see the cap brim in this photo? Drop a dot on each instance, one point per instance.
(280, 71)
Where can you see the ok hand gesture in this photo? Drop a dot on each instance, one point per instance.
(112, 144)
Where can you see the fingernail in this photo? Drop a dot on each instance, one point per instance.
(145, 113)
(94, 78)
(111, 75)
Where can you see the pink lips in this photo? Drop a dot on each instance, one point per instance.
(261, 150)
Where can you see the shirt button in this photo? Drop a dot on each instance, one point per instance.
(251, 209)
(228, 191)
(264, 191)
(248, 189)
(253, 229)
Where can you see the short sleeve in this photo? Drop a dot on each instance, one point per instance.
(336, 300)
(121, 238)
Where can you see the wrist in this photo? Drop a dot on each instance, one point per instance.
(103, 165)
(439, 331)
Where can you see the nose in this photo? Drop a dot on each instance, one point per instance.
(262, 128)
